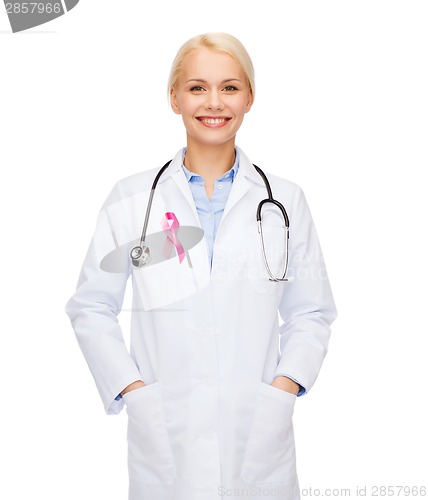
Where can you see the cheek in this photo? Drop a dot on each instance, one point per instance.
(188, 106)
(241, 107)
(181, 102)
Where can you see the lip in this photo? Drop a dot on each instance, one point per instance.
(214, 121)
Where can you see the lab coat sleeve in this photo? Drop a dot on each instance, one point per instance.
(93, 311)
(307, 307)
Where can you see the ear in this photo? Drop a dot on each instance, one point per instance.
(250, 101)
(174, 102)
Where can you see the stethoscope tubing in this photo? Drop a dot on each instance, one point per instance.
(138, 251)
(149, 204)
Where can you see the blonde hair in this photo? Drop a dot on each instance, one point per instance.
(221, 42)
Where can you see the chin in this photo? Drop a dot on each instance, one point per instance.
(212, 141)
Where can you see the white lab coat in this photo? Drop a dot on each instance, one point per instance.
(208, 424)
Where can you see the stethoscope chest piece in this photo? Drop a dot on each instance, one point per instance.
(140, 255)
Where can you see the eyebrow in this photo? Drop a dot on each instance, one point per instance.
(200, 80)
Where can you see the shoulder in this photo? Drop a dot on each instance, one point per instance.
(285, 191)
(131, 186)
(280, 186)
(284, 185)
(139, 183)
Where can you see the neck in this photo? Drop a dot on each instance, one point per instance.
(210, 162)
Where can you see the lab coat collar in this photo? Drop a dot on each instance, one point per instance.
(246, 178)
(246, 169)
(231, 172)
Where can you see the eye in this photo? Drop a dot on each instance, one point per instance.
(196, 88)
(230, 88)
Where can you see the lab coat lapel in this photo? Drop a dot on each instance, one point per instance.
(177, 198)
(182, 196)
(244, 180)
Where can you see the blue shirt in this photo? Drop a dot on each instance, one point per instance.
(210, 210)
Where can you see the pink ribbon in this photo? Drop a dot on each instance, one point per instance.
(171, 237)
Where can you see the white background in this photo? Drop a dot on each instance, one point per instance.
(341, 109)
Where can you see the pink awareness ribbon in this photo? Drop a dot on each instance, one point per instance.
(171, 237)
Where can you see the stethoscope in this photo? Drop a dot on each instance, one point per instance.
(140, 255)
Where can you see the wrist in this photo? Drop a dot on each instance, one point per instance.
(286, 384)
(131, 387)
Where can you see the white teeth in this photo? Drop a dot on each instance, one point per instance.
(213, 121)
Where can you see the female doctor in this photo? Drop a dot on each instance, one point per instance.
(213, 372)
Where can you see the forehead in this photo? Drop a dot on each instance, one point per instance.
(207, 64)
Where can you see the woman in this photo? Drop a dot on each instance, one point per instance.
(208, 391)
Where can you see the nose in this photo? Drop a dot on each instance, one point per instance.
(214, 101)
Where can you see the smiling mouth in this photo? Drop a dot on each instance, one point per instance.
(213, 121)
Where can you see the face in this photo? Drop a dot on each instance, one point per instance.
(212, 97)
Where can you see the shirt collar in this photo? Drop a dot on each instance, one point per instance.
(230, 173)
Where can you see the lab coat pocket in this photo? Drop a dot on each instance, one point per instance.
(270, 452)
(169, 281)
(150, 458)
